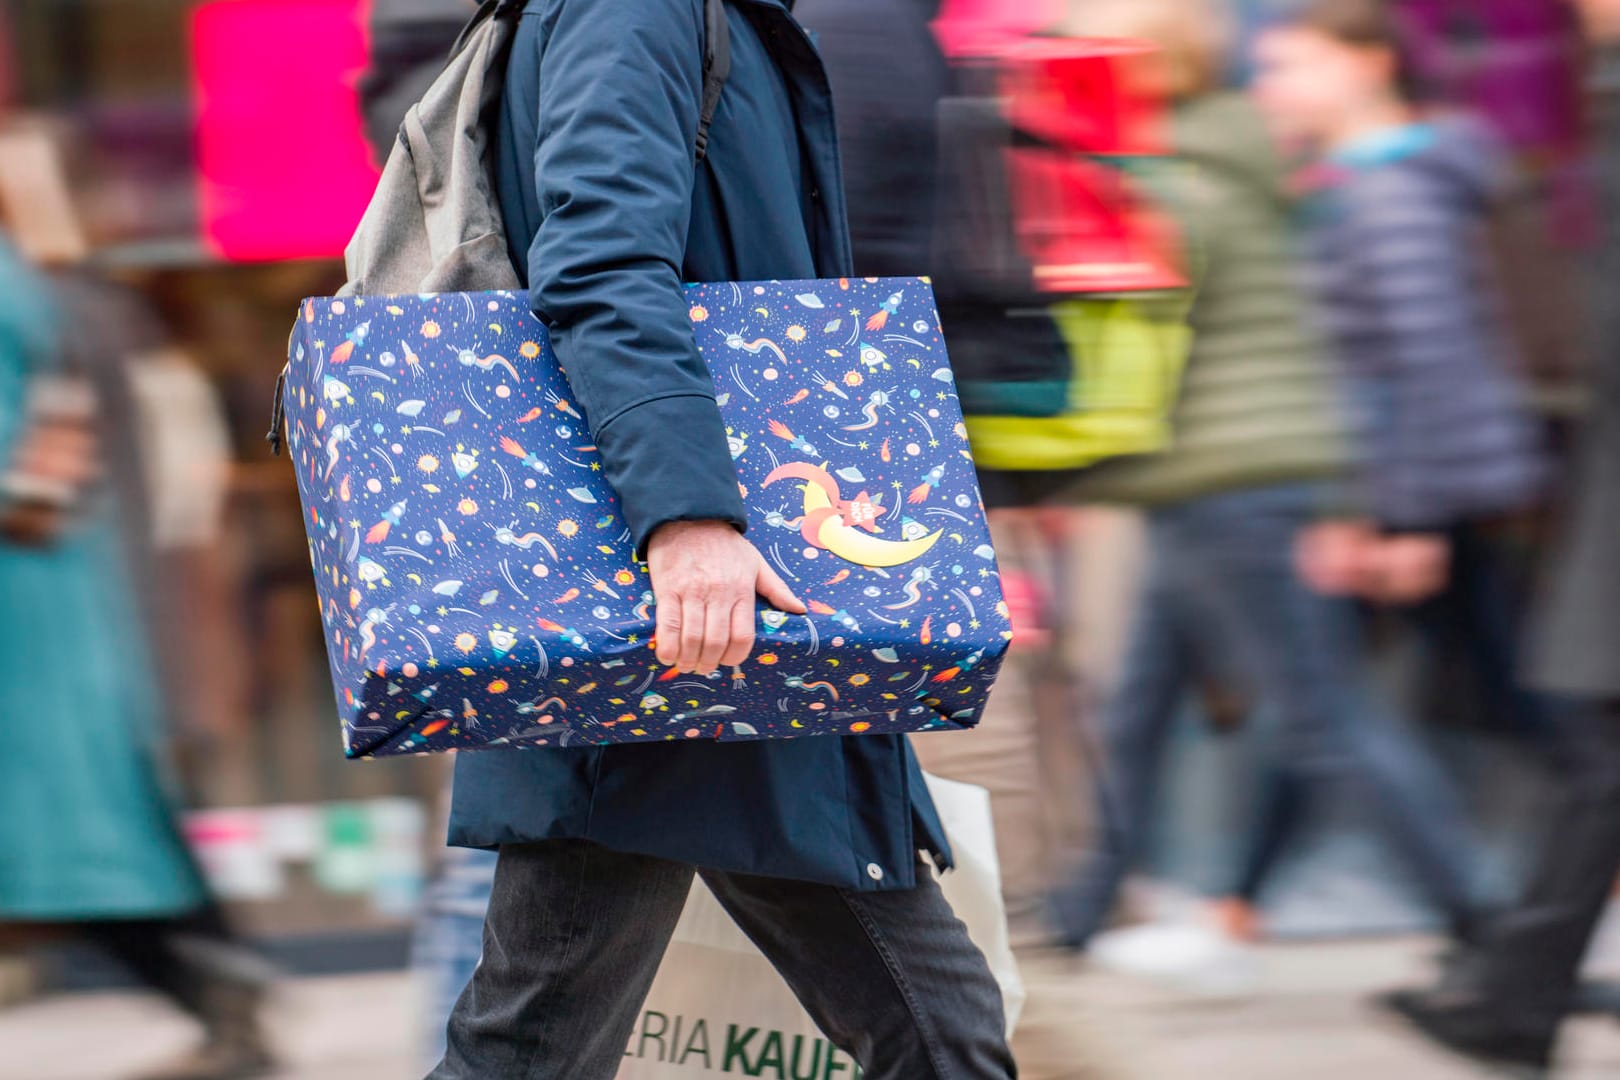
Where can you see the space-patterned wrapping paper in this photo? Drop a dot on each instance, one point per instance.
(478, 584)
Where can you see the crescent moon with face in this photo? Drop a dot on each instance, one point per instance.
(823, 525)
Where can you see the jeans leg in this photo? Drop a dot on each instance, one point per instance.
(1418, 806)
(1238, 606)
(1303, 653)
(890, 977)
(1279, 812)
(1532, 954)
(1137, 724)
(1474, 624)
(573, 938)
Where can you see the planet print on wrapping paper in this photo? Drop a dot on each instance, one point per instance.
(476, 577)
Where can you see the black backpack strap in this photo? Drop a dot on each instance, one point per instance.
(716, 68)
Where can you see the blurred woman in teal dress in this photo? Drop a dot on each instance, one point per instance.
(89, 837)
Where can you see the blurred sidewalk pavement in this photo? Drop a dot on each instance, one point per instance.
(352, 1027)
(1309, 1019)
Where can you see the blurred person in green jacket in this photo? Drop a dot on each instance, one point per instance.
(90, 842)
(1259, 448)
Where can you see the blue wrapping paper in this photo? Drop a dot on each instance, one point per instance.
(478, 584)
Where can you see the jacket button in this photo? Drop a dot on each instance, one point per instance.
(874, 871)
(815, 194)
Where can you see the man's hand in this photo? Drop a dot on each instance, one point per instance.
(59, 452)
(1350, 558)
(705, 575)
(1412, 568)
(53, 465)
(1336, 558)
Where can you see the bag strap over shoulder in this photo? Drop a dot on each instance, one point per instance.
(716, 68)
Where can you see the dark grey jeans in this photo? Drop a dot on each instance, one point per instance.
(575, 933)
(1527, 966)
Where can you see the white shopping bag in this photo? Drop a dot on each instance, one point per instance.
(718, 1007)
(974, 887)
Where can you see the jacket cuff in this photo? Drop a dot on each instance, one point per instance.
(1397, 529)
(668, 460)
(1409, 521)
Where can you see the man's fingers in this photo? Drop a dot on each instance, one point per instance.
(776, 592)
(691, 649)
(716, 635)
(742, 634)
(669, 630)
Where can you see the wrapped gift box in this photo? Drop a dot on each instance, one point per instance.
(478, 584)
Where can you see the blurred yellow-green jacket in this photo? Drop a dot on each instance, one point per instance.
(1258, 403)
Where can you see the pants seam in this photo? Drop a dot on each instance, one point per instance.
(538, 1045)
(901, 983)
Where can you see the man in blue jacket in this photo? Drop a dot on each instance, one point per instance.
(811, 844)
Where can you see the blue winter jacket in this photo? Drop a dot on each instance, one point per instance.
(596, 182)
(1403, 276)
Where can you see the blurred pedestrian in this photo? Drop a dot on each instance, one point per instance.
(1505, 1001)
(810, 844)
(888, 88)
(90, 841)
(893, 91)
(1259, 449)
(406, 45)
(1396, 210)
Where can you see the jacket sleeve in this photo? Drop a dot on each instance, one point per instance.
(620, 89)
(1411, 265)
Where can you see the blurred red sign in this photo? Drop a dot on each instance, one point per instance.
(1090, 108)
(1094, 95)
(281, 155)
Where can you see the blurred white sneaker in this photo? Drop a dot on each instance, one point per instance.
(1190, 957)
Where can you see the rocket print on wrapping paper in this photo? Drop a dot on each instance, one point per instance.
(477, 582)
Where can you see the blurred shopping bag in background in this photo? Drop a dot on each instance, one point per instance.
(1066, 280)
(477, 580)
(716, 993)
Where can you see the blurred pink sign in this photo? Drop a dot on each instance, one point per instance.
(983, 27)
(281, 155)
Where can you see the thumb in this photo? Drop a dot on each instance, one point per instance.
(776, 592)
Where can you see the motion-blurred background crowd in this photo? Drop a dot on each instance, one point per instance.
(1285, 337)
